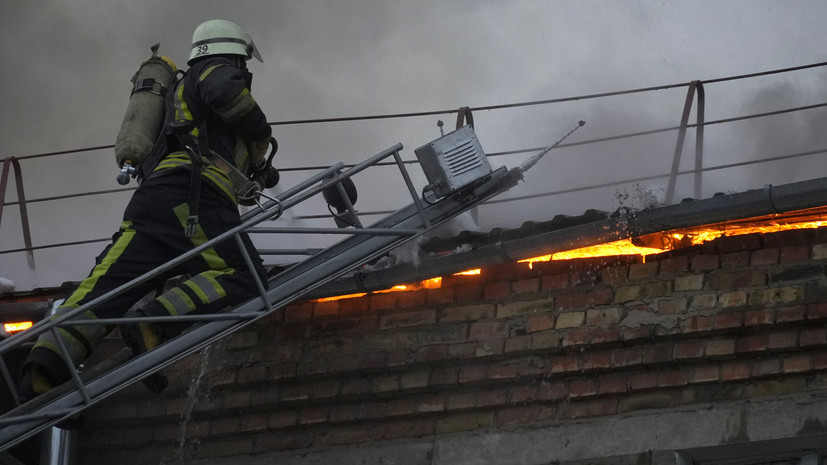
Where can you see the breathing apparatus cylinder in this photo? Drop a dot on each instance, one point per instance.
(144, 114)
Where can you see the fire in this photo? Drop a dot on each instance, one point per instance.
(657, 243)
(622, 247)
(17, 326)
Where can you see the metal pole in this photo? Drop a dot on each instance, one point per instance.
(676, 159)
(699, 141)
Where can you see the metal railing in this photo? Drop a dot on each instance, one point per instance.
(695, 99)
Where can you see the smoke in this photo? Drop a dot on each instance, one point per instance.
(68, 64)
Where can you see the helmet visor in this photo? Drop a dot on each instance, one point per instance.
(252, 51)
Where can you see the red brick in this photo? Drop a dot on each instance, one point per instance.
(357, 305)
(491, 398)
(672, 378)
(517, 343)
(576, 300)
(552, 391)
(313, 415)
(461, 401)
(657, 354)
(720, 347)
(817, 311)
(582, 388)
(523, 394)
(742, 242)
(597, 361)
(811, 337)
(764, 257)
(407, 319)
(298, 312)
(411, 299)
(614, 384)
(734, 260)
(759, 317)
(674, 265)
(497, 290)
(468, 293)
(796, 364)
(786, 340)
(626, 357)
(766, 367)
(697, 324)
(688, 350)
(554, 282)
(517, 416)
(643, 270)
(642, 381)
(487, 329)
(565, 363)
(790, 314)
(473, 373)
(729, 320)
(440, 296)
(704, 262)
(467, 312)
(614, 275)
(794, 254)
(592, 408)
(734, 371)
(384, 301)
(540, 323)
(282, 419)
(604, 335)
(327, 308)
(753, 343)
(704, 374)
(526, 286)
(576, 337)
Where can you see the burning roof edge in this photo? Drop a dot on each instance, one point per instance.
(592, 228)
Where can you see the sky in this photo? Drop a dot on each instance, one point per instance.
(67, 65)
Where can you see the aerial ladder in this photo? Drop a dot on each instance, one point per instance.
(459, 177)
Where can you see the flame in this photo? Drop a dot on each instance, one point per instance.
(17, 326)
(668, 240)
(622, 247)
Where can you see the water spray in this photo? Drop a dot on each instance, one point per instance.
(533, 160)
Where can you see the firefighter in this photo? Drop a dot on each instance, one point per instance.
(184, 200)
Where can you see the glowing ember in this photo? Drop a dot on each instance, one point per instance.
(469, 272)
(17, 327)
(665, 241)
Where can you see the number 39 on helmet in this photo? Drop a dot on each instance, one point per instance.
(221, 37)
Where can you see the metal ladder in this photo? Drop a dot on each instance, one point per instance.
(362, 245)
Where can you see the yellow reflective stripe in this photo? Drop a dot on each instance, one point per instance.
(214, 261)
(206, 287)
(237, 107)
(112, 255)
(208, 71)
(176, 302)
(182, 110)
(213, 174)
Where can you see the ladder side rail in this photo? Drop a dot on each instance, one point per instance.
(291, 289)
(46, 325)
(411, 190)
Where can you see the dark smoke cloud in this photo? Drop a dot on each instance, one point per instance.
(67, 65)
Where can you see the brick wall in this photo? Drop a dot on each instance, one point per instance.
(513, 348)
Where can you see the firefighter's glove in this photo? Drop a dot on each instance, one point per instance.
(258, 153)
(267, 177)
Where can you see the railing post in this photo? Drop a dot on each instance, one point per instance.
(21, 200)
(676, 159)
(699, 140)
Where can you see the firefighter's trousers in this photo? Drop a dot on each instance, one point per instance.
(152, 233)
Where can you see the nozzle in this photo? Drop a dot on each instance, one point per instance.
(127, 170)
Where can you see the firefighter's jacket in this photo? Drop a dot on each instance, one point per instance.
(214, 96)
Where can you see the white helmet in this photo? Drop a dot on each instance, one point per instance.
(220, 37)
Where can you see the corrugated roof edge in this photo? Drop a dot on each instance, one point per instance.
(567, 233)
